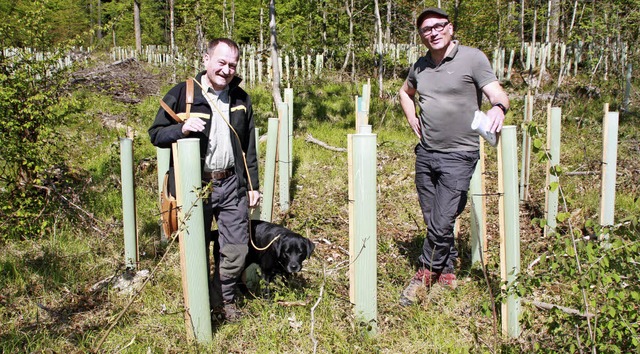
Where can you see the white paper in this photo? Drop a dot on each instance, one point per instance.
(481, 124)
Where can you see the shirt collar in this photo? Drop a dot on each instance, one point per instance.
(449, 56)
(211, 90)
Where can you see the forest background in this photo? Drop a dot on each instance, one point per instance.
(60, 207)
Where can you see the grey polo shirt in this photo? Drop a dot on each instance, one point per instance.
(448, 95)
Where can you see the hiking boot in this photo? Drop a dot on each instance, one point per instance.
(448, 280)
(423, 277)
(231, 312)
(228, 312)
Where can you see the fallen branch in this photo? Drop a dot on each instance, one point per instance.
(313, 311)
(548, 307)
(88, 214)
(311, 139)
(581, 173)
(133, 298)
(586, 173)
(292, 303)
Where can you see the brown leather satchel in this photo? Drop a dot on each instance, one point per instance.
(168, 208)
(168, 203)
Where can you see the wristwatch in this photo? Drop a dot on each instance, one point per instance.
(502, 107)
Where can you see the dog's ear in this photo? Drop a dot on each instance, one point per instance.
(278, 245)
(310, 247)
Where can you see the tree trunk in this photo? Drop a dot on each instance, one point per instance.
(99, 31)
(627, 89)
(533, 32)
(573, 18)
(554, 30)
(380, 49)
(277, 97)
(200, 41)
(387, 32)
(324, 28)
(607, 44)
(498, 17)
(136, 24)
(349, 9)
(261, 31)
(172, 36)
(172, 27)
(225, 22)
(233, 18)
(91, 21)
(522, 41)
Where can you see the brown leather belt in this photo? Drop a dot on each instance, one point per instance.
(218, 175)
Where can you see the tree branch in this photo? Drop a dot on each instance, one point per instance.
(548, 307)
(311, 139)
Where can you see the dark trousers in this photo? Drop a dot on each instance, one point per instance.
(442, 182)
(231, 240)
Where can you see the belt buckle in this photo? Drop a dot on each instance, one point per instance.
(221, 174)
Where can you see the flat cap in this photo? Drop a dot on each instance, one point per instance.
(430, 11)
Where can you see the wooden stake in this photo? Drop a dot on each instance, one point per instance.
(181, 243)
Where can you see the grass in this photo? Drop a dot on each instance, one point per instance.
(49, 303)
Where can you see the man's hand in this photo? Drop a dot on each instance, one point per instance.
(254, 199)
(414, 123)
(497, 116)
(406, 95)
(192, 124)
(496, 94)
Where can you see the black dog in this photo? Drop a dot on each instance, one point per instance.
(280, 250)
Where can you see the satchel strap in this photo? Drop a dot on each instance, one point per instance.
(189, 98)
(170, 111)
(165, 187)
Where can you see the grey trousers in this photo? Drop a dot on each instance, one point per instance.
(231, 212)
(442, 182)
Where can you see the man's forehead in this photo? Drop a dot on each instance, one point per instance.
(222, 49)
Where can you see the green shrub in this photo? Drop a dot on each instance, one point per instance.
(30, 114)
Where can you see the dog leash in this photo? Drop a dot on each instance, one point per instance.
(265, 247)
(246, 167)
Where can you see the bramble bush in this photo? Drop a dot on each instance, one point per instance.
(31, 85)
(592, 269)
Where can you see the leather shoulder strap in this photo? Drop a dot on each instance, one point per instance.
(189, 98)
(170, 111)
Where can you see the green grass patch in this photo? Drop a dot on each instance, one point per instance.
(49, 299)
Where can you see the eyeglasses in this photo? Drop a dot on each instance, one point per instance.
(438, 27)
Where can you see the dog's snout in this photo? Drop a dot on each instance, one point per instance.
(294, 268)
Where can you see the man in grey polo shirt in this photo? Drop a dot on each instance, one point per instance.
(448, 83)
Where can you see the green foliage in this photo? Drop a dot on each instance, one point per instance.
(596, 274)
(609, 280)
(324, 26)
(30, 87)
(46, 297)
(37, 25)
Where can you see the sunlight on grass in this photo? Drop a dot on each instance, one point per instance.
(48, 300)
